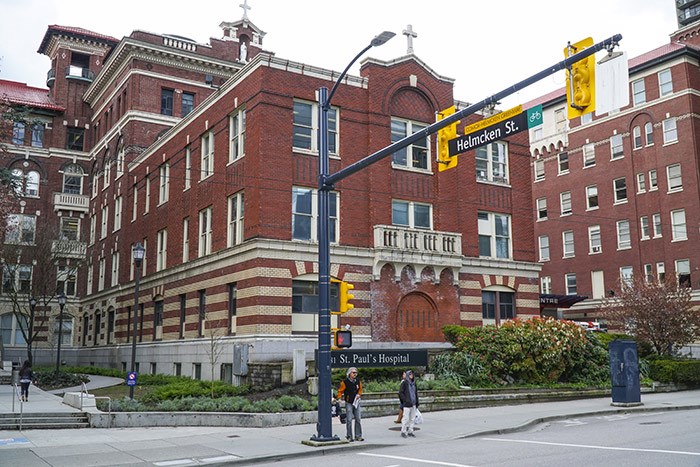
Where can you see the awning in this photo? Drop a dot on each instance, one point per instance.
(559, 301)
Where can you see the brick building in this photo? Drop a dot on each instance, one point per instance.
(206, 154)
(616, 195)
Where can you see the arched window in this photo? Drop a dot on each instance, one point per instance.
(73, 179)
(497, 304)
(32, 184)
(10, 330)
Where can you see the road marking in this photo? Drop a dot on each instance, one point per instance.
(211, 460)
(413, 459)
(176, 462)
(605, 448)
(7, 441)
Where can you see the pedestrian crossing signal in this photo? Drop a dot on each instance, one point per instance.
(343, 339)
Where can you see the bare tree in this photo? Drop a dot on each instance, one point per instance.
(215, 347)
(656, 312)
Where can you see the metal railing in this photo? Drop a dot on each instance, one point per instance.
(84, 393)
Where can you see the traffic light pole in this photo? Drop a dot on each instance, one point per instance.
(327, 181)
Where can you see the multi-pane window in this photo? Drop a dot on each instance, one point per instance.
(568, 243)
(162, 250)
(592, 197)
(616, 150)
(185, 239)
(570, 280)
(121, 161)
(539, 169)
(594, 243)
(504, 302)
(188, 168)
(563, 159)
(673, 174)
(410, 214)
(105, 222)
(135, 204)
(16, 278)
(73, 179)
(546, 284)
(305, 214)
(586, 118)
(117, 213)
(207, 157)
(147, 195)
(565, 203)
(28, 184)
(660, 272)
(588, 155)
(636, 137)
(665, 82)
(93, 228)
(644, 227)
(21, 228)
(492, 162)
(187, 103)
(649, 133)
(202, 311)
(305, 127)
(75, 138)
(102, 265)
(205, 231)
(641, 183)
(683, 272)
(653, 182)
(236, 128)
(115, 268)
(620, 189)
(11, 326)
(232, 306)
(541, 208)
(560, 120)
(70, 228)
(66, 280)
(544, 247)
(166, 101)
(494, 235)
(639, 95)
(678, 227)
(656, 224)
(624, 240)
(648, 272)
(18, 133)
(38, 135)
(670, 130)
(236, 210)
(106, 173)
(626, 276)
(415, 155)
(183, 314)
(164, 183)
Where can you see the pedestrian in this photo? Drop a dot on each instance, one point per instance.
(399, 417)
(26, 375)
(351, 392)
(408, 395)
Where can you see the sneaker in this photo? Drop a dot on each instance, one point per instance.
(349, 438)
(411, 435)
(404, 435)
(359, 438)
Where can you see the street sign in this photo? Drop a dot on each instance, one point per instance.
(131, 378)
(489, 130)
(378, 358)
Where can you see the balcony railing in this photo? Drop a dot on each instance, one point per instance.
(50, 77)
(73, 71)
(70, 202)
(69, 249)
(423, 241)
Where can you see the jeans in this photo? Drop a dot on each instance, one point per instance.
(353, 414)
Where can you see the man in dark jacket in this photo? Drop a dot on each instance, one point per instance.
(408, 395)
(350, 391)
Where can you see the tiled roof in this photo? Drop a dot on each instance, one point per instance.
(75, 32)
(21, 94)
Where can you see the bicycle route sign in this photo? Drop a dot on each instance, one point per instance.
(494, 128)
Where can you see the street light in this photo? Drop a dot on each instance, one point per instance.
(61, 304)
(137, 252)
(324, 426)
(30, 333)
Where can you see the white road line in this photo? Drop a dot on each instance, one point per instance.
(175, 462)
(605, 448)
(413, 459)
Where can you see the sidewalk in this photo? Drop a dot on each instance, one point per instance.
(198, 445)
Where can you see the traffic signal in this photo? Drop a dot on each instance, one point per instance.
(444, 135)
(344, 297)
(343, 339)
(580, 80)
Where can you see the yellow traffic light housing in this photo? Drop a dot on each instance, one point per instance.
(344, 297)
(580, 80)
(444, 135)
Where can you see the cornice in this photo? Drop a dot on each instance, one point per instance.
(58, 42)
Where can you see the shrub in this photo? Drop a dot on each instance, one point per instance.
(453, 333)
(460, 367)
(675, 371)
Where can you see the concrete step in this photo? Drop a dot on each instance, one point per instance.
(38, 421)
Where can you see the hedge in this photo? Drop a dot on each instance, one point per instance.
(675, 371)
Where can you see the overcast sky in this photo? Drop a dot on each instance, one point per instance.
(486, 46)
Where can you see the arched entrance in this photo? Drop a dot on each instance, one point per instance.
(417, 319)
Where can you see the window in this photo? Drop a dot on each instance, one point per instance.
(546, 284)
(683, 272)
(670, 131)
(656, 223)
(586, 118)
(644, 227)
(565, 203)
(205, 232)
(624, 240)
(504, 302)
(188, 168)
(588, 155)
(177, 369)
(236, 126)
(21, 228)
(648, 273)
(678, 228)
(568, 242)
(626, 276)
(653, 182)
(157, 322)
(164, 183)
(202, 310)
(102, 265)
(38, 135)
(411, 214)
(232, 306)
(63, 330)
(594, 243)
(18, 133)
(11, 329)
(117, 213)
(541, 209)
(641, 183)
(147, 195)
(235, 219)
(665, 82)
(73, 179)
(620, 188)
(539, 169)
(105, 222)
(115, 269)
(492, 162)
(162, 252)
(121, 161)
(135, 205)
(197, 370)
(570, 280)
(207, 162)
(560, 120)
(592, 197)
(90, 274)
(66, 281)
(563, 163)
(616, 150)
(95, 182)
(494, 235)
(305, 214)
(544, 247)
(16, 278)
(660, 272)
(107, 173)
(75, 138)
(185, 239)
(639, 95)
(636, 137)
(306, 127)
(93, 228)
(649, 133)
(187, 103)
(183, 314)
(166, 101)
(673, 174)
(28, 184)
(415, 155)
(305, 296)
(70, 228)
